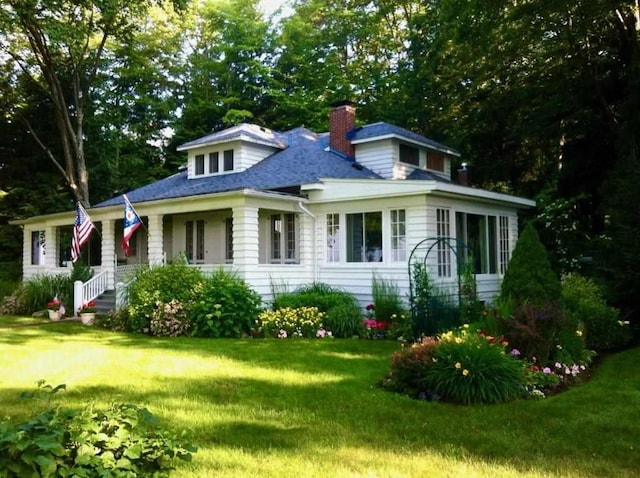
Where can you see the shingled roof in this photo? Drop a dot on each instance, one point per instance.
(305, 160)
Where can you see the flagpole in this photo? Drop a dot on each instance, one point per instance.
(87, 214)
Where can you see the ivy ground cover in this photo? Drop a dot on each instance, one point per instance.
(280, 408)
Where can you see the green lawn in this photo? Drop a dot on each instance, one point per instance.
(305, 408)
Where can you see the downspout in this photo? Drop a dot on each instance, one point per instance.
(314, 251)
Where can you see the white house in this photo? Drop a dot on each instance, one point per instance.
(286, 209)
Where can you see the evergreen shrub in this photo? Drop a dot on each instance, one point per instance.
(529, 277)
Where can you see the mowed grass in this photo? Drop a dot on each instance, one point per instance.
(310, 408)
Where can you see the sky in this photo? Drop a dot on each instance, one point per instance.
(270, 6)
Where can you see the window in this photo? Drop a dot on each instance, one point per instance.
(479, 233)
(444, 251)
(398, 235)
(409, 154)
(37, 248)
(283, 238)
(199, 164)
(333, 237)
(213, 163)
(195, 242)
(435, 161)
(228, 243)
(504, 243)
(228, 160)
(364, 237)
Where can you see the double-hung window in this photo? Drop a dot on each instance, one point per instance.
(37, 247)
(398, 235)
(228, 160)
(195, 241)
(443, 226)
(364, 237)
(333, 237)
(228, 243)
(283, 238)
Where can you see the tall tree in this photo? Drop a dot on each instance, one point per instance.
(59, 46)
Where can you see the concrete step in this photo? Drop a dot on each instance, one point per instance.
(106, 302)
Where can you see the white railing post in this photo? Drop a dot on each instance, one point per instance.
(78, 298)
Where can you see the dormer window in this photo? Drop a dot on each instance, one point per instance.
(435, 161)
(213, 163)
(409, 154)
(228, 160)
(199, 164)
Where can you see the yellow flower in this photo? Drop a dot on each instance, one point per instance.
(465, 372)
(458, 340)
(579, 333)
(458, 365)
(466, 326)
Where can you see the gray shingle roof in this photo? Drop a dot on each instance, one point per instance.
(304, 161)
(251, 131)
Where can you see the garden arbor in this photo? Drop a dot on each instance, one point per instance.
(442, 284)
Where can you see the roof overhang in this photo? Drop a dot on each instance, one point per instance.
(404, 139)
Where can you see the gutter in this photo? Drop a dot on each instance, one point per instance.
(314, 248)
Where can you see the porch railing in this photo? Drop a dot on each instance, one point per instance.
(84, 292)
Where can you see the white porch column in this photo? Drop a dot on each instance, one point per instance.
(155, 249)
(108, 259)
(51, 248)
(308, 244)
(245, 239)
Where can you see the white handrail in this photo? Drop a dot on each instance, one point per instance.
(94, 287)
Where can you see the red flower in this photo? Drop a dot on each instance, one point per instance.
(536, 368)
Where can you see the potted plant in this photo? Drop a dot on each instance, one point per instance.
(55, 308)
(87, 312)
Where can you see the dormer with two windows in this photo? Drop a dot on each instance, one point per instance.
(231, 151)
(388, 150)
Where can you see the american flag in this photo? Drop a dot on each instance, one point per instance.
(82, 229)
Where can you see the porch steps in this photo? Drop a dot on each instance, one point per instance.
(106, 302)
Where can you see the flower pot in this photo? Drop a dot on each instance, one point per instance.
(87, 318)
(55, 315)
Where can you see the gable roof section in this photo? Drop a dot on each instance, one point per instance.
(244, 131)
(381, 130)
(306, 160)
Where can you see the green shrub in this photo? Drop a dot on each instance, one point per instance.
(529, 277)
(8, 287)
(303, 322)
(40, 289)
(225, 306)
(342, 312)
(408, 369)
(583, 300)
(155, 286)
(122, 441)
(468, 369)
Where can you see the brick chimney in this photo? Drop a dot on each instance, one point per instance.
(464, 178)
(342, 119)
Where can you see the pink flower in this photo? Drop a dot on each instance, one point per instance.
(321, 333)
(546, 370)
(515, 352)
